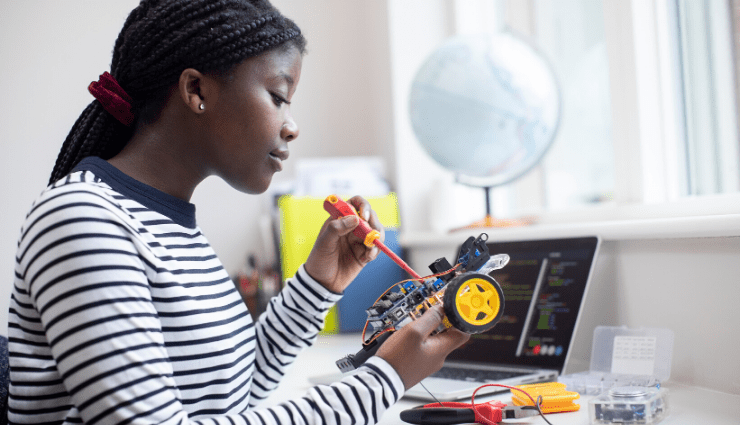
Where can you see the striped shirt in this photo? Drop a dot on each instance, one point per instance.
(122, 313)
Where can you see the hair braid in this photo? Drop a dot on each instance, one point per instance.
(161, 38)
(103, 129)
(171, 17)
(86, 139)
(168, 18)
(67, 148)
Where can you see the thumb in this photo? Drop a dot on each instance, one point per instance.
(345, 225)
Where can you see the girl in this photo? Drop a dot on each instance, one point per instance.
(121, 312)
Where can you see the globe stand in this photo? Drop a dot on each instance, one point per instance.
(490, 221)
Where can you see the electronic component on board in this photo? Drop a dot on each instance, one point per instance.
(629, 405)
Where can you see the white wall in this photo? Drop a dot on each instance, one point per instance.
(692, 287)
(53, 49)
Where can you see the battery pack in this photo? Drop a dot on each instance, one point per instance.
(555, 398)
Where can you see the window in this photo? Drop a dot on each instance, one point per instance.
(649, 103)
(579, 168)
(705, 71)
(649, 120)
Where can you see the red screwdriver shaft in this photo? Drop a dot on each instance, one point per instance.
(337, 207)
(396, 259)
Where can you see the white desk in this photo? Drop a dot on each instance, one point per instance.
(688, 405)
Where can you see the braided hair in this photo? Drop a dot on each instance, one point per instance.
(160, 39)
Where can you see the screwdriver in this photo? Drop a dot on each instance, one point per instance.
(337, 207)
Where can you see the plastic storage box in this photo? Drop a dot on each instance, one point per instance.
(624, 357)
(627, 369)
(629, 405)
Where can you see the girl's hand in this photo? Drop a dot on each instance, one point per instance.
(338, 255)
(414, 353)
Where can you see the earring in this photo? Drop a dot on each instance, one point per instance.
(202, 107)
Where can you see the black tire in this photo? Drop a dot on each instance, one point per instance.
(473, 302)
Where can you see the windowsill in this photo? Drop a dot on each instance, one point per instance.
(724, 225)
(689, 217)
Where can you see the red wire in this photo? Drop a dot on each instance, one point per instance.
(475, 409)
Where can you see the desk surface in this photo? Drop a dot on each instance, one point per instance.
(688, 405)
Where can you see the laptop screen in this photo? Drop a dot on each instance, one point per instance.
(544, 285)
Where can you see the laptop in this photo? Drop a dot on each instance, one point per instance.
(544, 286)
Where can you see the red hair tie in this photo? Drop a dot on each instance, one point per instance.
(113, 98)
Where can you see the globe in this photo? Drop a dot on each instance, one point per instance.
(485, 107)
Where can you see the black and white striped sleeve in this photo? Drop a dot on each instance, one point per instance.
(360, 398)
(86, 279)
(291, 323)
(88, 338)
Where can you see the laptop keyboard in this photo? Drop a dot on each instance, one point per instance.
(474, 375)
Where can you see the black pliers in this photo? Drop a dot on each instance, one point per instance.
(462, 413)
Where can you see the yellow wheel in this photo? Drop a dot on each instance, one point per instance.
(473, 302)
